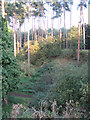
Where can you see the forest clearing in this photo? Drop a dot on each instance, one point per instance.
(44, 57)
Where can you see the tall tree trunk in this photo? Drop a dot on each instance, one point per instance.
(51, 21)
(47, 29)
(14, 44)
(24, 32)
(66, 40)
(52, 24)
(17, 43)
(84, 35)
(83, 31)
(70, 15)
(65, 36)
(47, 20)
(35, 35)
(78, 43)
(38, 26)
(79, 24)
(60, 33)
(3, 11)
(20, 35)
(13, 29)
(42, 20)
(14, 32)
(32, 27)
(44, 24)
(42, 28)
(70, 21)
(81, 28)
(28, 50)
(28, 37)
(58, 27)
(64, 32)
(81, 37)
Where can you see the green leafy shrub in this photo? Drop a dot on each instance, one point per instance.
(10, 70)
(71, 84)
(68, 53)
(18, 99)
(41, 50)
(73, 38)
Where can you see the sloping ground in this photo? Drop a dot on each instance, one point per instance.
(20, 95)
(45, 81)
(48, 74)
(41, 86)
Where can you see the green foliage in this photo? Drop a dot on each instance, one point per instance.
(6, 110)
(68, 53)
(71, 84)
(73, 38)
(19, 99)
(10, 71)
(41, 50)
(11, 9)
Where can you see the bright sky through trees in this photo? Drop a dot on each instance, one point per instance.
(75, 17)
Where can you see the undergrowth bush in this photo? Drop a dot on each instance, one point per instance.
(71, 84)
(68, 53)
(10, 70)
(41, 50)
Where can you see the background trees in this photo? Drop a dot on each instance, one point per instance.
(47, 57)
(19, 11)
(82, 3)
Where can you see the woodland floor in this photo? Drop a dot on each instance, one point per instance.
(48, 71)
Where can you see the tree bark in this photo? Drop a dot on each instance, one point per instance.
(64, 32)
(38, 26)
(60, 33)
(70, 21)
(44, 22)
(58, 28)
(42, 28)
(17, 43)
(24, 32)
(20, 35)
(81, 37)
(47, 21)
(84, 35)
(14, 32)
(13, 29)
(70, 15)
(3, 10)
(32, 27)
(35, 36)
(66, 40)
(14, 44)
(51, 21)
(83, 32)
(28, 36)
(79, 24)
(78, 43)
(28, 50)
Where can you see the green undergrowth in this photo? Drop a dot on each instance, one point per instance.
(18, 99)
(58, 78)
(6, 110)
(56, 72)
